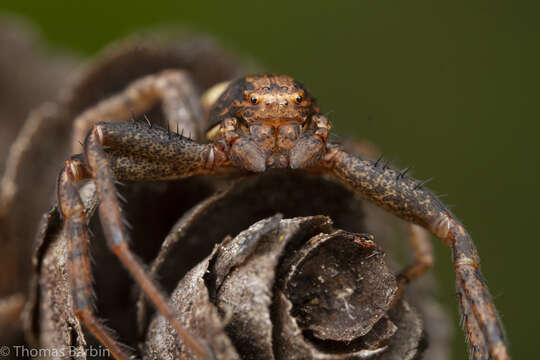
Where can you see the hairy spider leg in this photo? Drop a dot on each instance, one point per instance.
(76, 232)
(134, 150)
(174, 88)
(402, 196)
(478, 349)
(417, 236)
(423, 261)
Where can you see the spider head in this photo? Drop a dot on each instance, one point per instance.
(265, 116)
(273, 100)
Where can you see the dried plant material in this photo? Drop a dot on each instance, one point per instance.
(10, 312)
(57, 303)
(30, 73)
(268, 316)
(198, 314)
(339, 286)
(245, 295)
(178, 231)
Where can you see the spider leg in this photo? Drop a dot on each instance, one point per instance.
(406, 198)
(135, 152)
(174, 88)
(76, 231)
(423, 258)
(418, 236)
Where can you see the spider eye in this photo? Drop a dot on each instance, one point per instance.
(254, 100)
(299, 99)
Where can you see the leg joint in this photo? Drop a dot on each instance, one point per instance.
(463, 261)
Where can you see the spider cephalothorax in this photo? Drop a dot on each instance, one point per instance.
(260, 122)
(269, 120)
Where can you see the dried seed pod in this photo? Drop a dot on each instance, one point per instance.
(295, 289)
(29, 73)
(196, 312)
(339, 286)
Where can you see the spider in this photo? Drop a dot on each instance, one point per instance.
(257, 122)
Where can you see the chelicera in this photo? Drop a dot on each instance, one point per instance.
(257, 123)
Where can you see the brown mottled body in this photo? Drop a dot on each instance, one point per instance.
(260, 122)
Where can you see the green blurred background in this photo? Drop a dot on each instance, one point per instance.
(450, 88)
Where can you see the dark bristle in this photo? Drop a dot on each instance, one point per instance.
(402, 173)
(147, 121)
(422, 183)
(377, 162)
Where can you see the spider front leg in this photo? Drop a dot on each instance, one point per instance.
(173, 87)
(76, 231)
(135, 152)
(406, 198)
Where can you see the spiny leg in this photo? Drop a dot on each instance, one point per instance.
(477, 343)
(406, 198)
(134, 151)
(175, 157)
(76, 231)
(418, 236)
(173, 87)
(423, 258)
